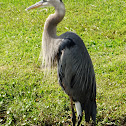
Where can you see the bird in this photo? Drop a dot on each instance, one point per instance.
(75, 69)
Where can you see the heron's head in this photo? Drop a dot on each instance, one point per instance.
(45, 3)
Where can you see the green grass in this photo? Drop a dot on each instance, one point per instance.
(27, 97)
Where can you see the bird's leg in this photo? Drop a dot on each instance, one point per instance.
(79, 120)
(73, 113)
(79, 112)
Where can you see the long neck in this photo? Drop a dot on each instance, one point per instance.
(52, 22)
(50, 40)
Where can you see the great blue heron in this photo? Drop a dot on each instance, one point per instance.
(75, 70)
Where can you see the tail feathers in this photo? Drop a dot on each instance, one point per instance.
(93, 111)
(90, 111)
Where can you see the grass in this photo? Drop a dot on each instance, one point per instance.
(27, 97)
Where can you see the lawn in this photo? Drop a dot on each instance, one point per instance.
(29, 97)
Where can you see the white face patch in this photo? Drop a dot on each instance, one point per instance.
(78, 108)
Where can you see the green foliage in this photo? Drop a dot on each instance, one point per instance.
(27, 96)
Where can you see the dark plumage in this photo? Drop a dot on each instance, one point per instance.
(76, 74)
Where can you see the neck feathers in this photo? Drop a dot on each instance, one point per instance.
(50, 41)
(53, 20)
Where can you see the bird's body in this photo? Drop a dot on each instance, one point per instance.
(75, 70)
(76, 74)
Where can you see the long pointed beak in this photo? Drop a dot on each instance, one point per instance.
(36, 5)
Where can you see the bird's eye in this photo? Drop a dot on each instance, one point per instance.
(60, 0)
